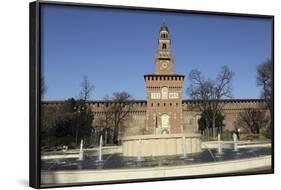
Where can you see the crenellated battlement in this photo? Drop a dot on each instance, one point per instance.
(187, 105)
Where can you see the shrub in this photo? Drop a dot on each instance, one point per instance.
(252, 137)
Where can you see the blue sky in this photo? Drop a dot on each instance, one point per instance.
(114, 49)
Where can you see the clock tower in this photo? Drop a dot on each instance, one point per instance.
(164, 91)
(164, 57)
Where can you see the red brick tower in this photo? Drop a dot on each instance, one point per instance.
(164, 91)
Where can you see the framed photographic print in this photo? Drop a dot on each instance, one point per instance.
(130, 94)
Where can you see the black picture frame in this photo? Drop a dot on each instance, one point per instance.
(35, 96)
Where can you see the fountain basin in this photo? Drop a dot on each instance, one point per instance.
(94, 175)
(160, 145)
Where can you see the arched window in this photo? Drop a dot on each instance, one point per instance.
(163, 35)
(164, 46)
(164, 92)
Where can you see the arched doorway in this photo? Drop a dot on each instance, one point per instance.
(165, 123)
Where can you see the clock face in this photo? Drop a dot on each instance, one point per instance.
(164, 64)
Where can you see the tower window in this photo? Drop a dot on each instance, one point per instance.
(164, 92)
(164, 35)
(164, 46)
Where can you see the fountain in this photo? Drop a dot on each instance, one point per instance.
(204, 159)
(139, 159)
(183, 147)
(184, 151)
(161, 144)
(219, 145)
(81, 152)
(235, 144)
(100, 150)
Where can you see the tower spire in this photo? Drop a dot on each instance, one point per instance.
(164, 57)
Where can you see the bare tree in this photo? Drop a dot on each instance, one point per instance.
(252, 120)
(209, 92)
(265, 80)
(86, 89)
(116, 112)
(85, 117)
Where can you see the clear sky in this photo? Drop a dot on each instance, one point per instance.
(116, 48)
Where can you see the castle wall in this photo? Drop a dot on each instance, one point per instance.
(135, 124)
(230, 109)
(136, 121)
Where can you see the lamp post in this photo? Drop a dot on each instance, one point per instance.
(238, 133)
